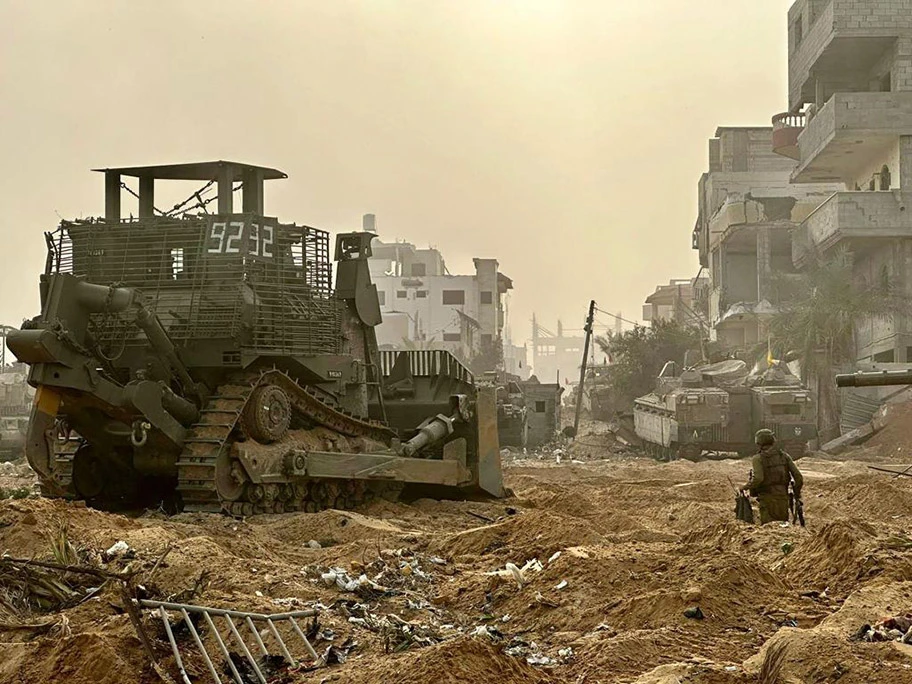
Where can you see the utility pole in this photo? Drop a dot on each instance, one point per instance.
(579, 397)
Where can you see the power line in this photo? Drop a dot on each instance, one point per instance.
(608, 313)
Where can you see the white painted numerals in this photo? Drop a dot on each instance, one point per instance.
(253, 240)
(227, 238)
(268, 233)
(218, 234)
(261, 238)
(233, 238)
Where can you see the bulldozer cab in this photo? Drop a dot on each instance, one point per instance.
(239, 277)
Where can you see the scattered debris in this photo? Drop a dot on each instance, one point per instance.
(120, 548)
(337, 655)
(694, 613)
(843, 442)
(895, 628)
(520, 575)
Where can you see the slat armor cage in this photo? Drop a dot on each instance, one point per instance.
(249, 279)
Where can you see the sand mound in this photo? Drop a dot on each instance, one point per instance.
(527, 535)
(329, 527)
(869, 496)
(640, 542)
(895, 439)
(826, 652)
(105, 656)
(456, 662)
(841, 556)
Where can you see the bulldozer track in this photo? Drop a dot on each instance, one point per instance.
(207, 439)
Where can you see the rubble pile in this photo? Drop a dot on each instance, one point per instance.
(623, 570)
(17, 481)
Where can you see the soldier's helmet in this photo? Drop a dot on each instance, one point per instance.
(764, 437)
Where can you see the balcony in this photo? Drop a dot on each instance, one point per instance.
(850, 132)
(848, 215)
(805, 49)
(830, 39)
(786, 129)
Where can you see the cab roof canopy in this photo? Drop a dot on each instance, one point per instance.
(224, 173)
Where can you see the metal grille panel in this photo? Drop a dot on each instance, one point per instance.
(264, 285)
(427, 363)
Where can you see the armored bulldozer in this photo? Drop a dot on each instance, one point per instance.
(206, 361)
(15, 404)
(719, 407)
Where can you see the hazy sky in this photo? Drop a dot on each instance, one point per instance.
(565, 139)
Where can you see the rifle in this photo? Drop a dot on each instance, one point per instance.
(796, 507)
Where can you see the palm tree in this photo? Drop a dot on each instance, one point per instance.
(818, 323)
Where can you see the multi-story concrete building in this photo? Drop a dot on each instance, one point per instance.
(516, 359)
(555, 357)
(850, 123)
(680, 301)
(424, 306)
(747, 208)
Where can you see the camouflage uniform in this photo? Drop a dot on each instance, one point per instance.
(773, 470)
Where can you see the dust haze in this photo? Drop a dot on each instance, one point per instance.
(562, 138)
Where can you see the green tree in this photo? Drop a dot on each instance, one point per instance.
(637, 356)
(817, 325)
(489, 357)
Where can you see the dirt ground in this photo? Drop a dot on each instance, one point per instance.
(624, 546)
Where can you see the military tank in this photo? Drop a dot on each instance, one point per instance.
(718, 407)
(15, 404)
(883, 378)
(205, 361)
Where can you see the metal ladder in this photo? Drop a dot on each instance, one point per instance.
(248, 622)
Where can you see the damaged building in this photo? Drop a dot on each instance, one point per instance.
(424, 306)
(747, 210)
(555, 356)
(682, 300)
(850, 124)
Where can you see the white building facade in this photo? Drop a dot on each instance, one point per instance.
(426, 307)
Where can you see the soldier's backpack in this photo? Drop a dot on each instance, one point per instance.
(743, 509)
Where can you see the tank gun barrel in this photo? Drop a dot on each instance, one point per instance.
(874, 378)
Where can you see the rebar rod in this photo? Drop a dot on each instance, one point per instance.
(301, 634)
(199, 644)
(256, 636)
(243, 645)
(224, 649)
(282, 647)
(174, 648)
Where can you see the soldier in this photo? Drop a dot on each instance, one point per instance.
(773, 470)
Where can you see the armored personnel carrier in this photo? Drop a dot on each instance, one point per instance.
(682, 415)
(779, 402)
(719, 407)
(511, 407)
(207, 361)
